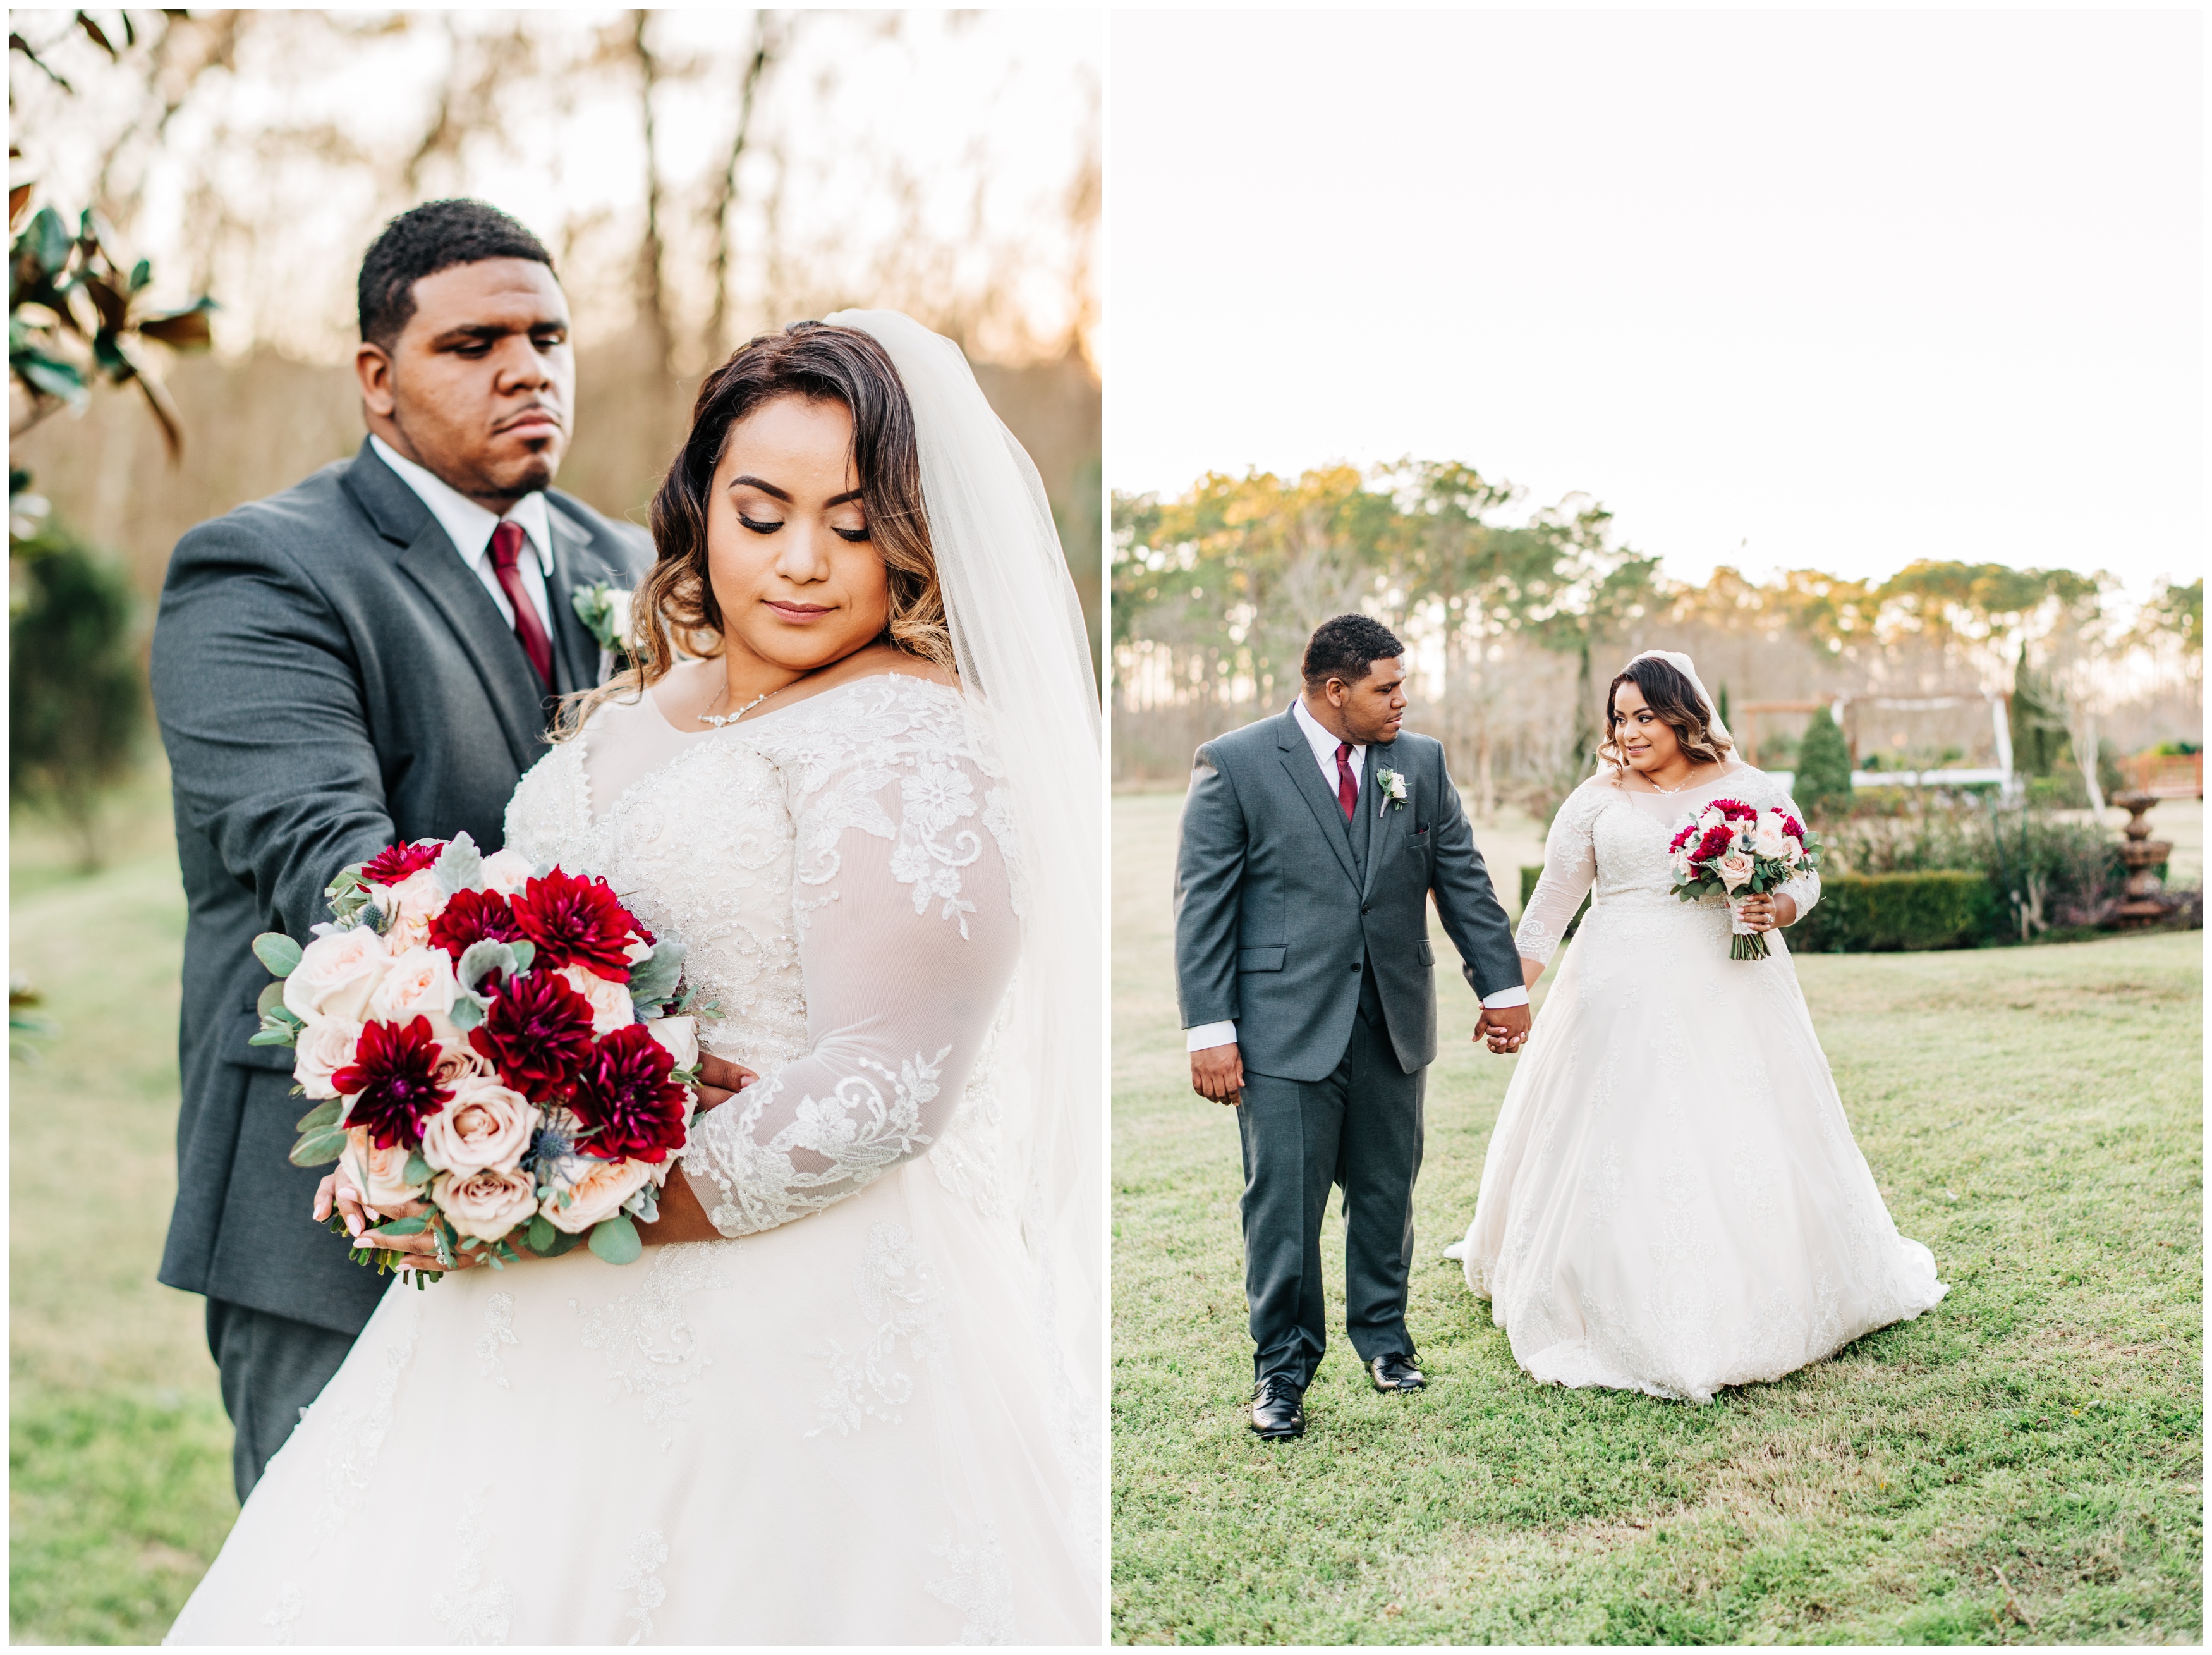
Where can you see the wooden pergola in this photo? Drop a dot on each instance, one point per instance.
(1841, 708)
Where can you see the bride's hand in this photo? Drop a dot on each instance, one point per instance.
(419, 1251)
(1769, 910)
(720, 1079)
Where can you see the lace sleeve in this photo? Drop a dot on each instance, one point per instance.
(1804, 889)
(1570, 869)
(907, 938)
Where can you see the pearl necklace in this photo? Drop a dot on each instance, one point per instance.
(718, 720)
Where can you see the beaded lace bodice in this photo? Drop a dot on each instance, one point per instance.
(1617, 840)
(844, 877)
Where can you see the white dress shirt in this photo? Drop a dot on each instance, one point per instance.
(1324, 746)
(469, 527)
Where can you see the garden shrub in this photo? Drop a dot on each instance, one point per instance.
(1823, 786)
(1884, 913)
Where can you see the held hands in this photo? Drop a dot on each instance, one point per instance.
(1506, 1030)
(1218, 1073)
(1769, 910)
(719, 1081)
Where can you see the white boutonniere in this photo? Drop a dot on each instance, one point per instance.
(604, 609)
(1394, 787)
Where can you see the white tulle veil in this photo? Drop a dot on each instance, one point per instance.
(1022, 652)
(1688, 668)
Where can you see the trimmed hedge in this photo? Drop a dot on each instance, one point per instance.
(1884, 913)
(1876, 913)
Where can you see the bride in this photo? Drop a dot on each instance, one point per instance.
(1672, 1201)
(852, 1393)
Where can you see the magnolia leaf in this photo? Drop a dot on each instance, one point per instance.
(322, 1115)
(181, 329)
(319, 1148)
(19, 196)
(616, 1240)
(50, 376)
(47, 241)
(459, 866)
(418, 1170)
(655, 976)
(277, 951)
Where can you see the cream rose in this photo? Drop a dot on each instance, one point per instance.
(1735, 869)
(597, 1194)
(680, 1035)
(336, 973)
(417, 984)
(486, 1205)
(380, 1175)
(486, 1127)
(611, 1002)
(324, 1049)
(1767, 838)
(506, 872)
(458, 1061)
(407, 908)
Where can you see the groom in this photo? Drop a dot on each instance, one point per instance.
(1311, 843)
(371, 656)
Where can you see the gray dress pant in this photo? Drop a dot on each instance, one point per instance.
(272, 1368)
(1359, 1129)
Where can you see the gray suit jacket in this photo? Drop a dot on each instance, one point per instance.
(330, 676)
(1273, 921)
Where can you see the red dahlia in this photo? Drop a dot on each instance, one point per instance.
(1674, 844)
(625, 1092)
(473, 916)
(1734, 810)
(536, 1033)
(1794, 828)
(576, 923)
(391, 1083)
(1716, 842)
(391, 867)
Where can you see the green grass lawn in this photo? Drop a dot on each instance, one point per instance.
(2020, 1464)
(118, 1452)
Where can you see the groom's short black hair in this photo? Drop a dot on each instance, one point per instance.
(423, 240)
(1347, 647)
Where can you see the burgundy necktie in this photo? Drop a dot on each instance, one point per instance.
(1347, 786)
(506, 552)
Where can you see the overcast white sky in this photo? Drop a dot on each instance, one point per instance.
(1836, 290)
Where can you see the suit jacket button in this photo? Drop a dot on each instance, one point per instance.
(1364, 907)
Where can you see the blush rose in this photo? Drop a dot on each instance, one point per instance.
(336, 973)
(597, 1194)
(486, 1128)
(485, 1204)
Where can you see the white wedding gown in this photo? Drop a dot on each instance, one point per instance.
(847, 1425)
(1672, 1201)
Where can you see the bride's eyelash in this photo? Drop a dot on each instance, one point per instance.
(758, 528)
(856, 536)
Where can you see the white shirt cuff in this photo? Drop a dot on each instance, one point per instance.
(1207, 1035)
(1505, 999)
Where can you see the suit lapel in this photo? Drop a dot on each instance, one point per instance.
(1328, 815)
(1382, 829)
(575, 651)
(516, 695)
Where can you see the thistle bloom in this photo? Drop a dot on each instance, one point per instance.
(392, 1086)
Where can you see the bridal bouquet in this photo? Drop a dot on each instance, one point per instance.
(505, 1042)
(1739, 851)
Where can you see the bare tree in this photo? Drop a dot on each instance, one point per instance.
(770, 36)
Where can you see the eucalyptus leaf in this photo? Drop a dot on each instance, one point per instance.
(319, 1148)
(277, 951)
(525, 952)
(270, 1001)
(403, 1227)
(418, 1170)
(616, 1240)
(540, 1234)
(322, 1115)
(467, 1014)
(274, 1034)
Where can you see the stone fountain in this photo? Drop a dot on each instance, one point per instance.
(2145, 902)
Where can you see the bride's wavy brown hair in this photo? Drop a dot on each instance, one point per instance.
(1680, 707)
(674, 609)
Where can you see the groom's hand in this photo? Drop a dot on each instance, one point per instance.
(1506, 1030)
(1218, 1073)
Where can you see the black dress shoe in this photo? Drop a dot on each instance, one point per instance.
(1277, 1407)
(1395, 1371)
